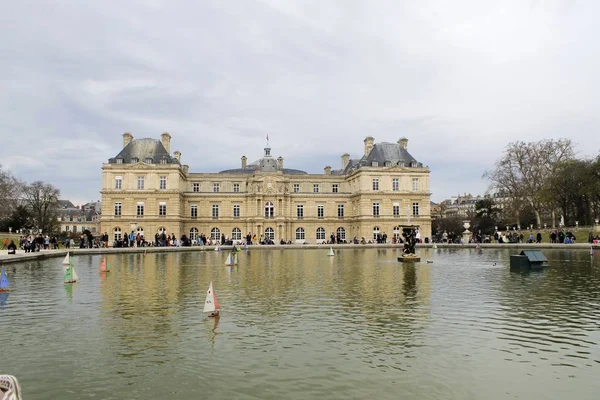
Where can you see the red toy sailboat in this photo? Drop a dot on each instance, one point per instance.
(104, 266)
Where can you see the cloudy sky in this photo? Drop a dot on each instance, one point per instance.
(459, 79)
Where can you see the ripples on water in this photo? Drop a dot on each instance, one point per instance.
(297, 324)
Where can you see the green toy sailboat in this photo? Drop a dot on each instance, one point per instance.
(70, 274)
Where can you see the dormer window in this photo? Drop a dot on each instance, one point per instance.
(134, 160)
(374, 164)
(401, 164)
(388, 163)
(413, 164)
(148, 160)
(119, 161)
(163, 161)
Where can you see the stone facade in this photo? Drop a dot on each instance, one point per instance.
(147, 190)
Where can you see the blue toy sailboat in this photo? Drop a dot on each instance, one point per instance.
(4, 284)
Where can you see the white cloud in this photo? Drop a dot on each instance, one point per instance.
(459, 79)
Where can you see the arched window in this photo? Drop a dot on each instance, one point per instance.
(340, 234)
(320, 233)
(117, 233)
(300, 234)
(215, 234)
(269, 234)
(397, 233)
(193, 233)
(269, 210)
(236, 234)
(375, 232)
(140, 231)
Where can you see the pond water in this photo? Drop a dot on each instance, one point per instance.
(297, 324)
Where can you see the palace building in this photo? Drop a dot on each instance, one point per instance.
(147, 190)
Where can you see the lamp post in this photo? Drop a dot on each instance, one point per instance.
(576, 223)
(10, 229)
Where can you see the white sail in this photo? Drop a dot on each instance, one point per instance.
(434, 246)
(209, 303)
(75, 277)
(331, 253)
(66, 260)
(229, 260)
(217, 248)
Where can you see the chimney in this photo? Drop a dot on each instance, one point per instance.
(328, 170)
(177, 155)
(345, 160)
(403, 143)
(165, 138)
(186, 168)
(127, 137)
(244, 161)
(368, 145)
(279, 162)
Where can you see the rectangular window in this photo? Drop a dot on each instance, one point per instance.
(133, 160)
(395, 184)
(334, 188)
(375, 184)
(236, 211)
(196, 187)
(340, 211)
(215, 187)
(140, 182)
(396, 209)
(162, 209)
(163, 161)
(415, 209)
(320, 211)
(375, 164)
(300, 211)
(376, 209)
(163, 182)
(118, 207)
(315, 188)
(140, 209)
(296, 187)
(194, 211)
(119, 161)
(415, 184)
(215, 211)
(118, 182)
(236, 188)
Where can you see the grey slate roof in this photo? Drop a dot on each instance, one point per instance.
(381, 153)
(143, 149)
(265, 164)
(64, 204)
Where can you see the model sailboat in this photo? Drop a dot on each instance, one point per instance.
(104, 266)
(66, 260)
(211, 304)
(4, 284)
(331, 253)
(232, 259)
(70, 274)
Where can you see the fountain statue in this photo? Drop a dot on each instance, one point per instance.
(410, 240)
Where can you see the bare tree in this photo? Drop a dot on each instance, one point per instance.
(525, 168)
(10, 192)
(42, 201)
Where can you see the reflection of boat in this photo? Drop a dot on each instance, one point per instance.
(331, 253)
(211, 325)
(104, 266)
(211, 303)
(434, 246)
(3, 299)
(66, 259)
(70, 274)
(4, 284)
